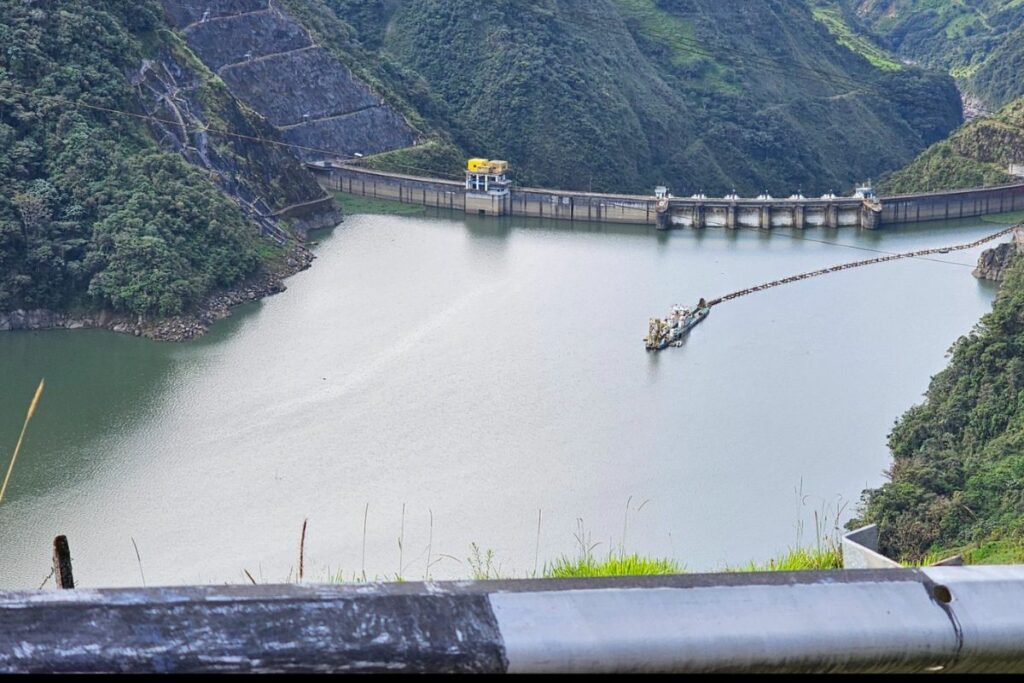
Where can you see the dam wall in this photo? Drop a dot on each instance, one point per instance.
(939, 206)
(441, 194)
(668, 212)
(451, 194)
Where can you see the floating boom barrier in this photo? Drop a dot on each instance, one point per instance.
(858, 264)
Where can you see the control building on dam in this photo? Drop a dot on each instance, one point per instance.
(487, 191)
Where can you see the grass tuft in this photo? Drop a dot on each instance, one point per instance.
(799, 559)
(613, 565)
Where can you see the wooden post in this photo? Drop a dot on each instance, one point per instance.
(62, 563)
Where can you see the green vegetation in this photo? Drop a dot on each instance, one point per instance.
(1005, 218)
(626, 94)
(355, 204)
(851, 38)
(980, 42)
(994, 552)
(93, 214)
(613, 565)
(423, 160)
(1003, 551)
(664, 30)
(977, 154)
(956, 480)
(800, 559)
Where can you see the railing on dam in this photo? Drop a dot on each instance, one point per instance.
(964, 619)
(697, 212)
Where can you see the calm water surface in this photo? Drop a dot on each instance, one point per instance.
(478, 373)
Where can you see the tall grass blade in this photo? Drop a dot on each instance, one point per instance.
(366, 515)
(24, 428)
(302, 550)
(139, 558)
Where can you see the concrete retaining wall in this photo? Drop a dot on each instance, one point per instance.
(442, 194)
(952, 205)
(583, 206)
(449, 194)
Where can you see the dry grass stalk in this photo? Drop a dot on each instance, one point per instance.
(24, 428)
(302, 549)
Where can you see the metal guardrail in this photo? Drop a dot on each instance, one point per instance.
(860, 550)
(938, 618)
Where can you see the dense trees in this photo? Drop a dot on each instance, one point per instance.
(92, 214)
(958, 473)
(980, 42)
(977, 154)
(625, 94)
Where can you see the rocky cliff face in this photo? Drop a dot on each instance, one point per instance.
(994, 263)
(270, 62)
(196, 116)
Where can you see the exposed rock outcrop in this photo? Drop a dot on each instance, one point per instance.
(191, 114)
(185, 13)
(269, 61)
(993, 263)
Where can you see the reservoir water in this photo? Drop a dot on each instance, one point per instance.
(483, 376)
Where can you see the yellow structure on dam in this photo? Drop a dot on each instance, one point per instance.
(487, 187)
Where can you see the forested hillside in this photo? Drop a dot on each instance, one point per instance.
(980, 42)
(980, 153)
(626, 94)
(957, 480)
(92, 213)
(98, 211)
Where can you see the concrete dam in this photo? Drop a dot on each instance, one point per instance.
(863, 210)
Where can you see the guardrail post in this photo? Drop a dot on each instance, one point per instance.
(62, 575)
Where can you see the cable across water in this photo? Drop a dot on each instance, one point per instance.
(858, 264)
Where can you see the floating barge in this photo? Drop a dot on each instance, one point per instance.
(662, 333)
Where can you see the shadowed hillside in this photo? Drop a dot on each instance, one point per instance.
(625, 94)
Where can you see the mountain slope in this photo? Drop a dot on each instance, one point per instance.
(626, 94)
(94, 213)
(980, 42)
(977, 154)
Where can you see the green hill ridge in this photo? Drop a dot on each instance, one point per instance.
(979, 153)
(621, 95)
(980, 42)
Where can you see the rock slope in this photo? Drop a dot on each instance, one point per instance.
(270, 62)
(994, 263)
